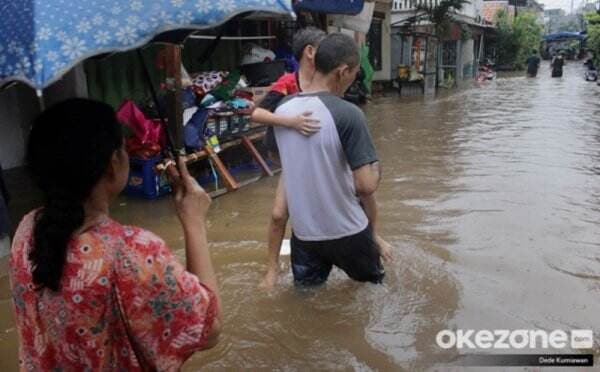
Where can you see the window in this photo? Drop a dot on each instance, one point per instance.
(448, 62)
(449, 54)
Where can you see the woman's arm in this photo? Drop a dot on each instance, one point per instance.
(192, 204)
(199, 263)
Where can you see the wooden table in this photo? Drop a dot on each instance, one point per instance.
(245, 139)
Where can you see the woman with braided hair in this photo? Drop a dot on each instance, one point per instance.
(91, 293)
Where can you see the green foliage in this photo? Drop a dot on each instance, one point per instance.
(592, 18)
(516, 38)
(593, 29)
(506, 43)
(441, 16)
(465, 32)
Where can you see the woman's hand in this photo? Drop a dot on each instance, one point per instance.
(305, 124)
(191, 201)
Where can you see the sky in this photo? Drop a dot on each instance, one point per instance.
(564, 4)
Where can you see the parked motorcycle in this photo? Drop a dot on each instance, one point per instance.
(486, 73)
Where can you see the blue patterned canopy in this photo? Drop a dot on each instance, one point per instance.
(41, 40)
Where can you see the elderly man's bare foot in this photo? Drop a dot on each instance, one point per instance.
(269, 280)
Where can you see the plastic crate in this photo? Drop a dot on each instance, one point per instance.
(144, 181)
(246, 122)
(211, 125)
(223, 120)
(235, 124)
(239, 123)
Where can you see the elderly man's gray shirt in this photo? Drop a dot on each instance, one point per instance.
(317, 170)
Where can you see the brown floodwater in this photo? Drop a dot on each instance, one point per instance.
(491, 198)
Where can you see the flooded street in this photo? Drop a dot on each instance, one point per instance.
(491, 197)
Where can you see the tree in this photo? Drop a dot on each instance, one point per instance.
(516, 38)
(506, 43)
(440, 15)
(528, 33)
(593, 30)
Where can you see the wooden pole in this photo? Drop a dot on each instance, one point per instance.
(174, 89)
(230, 182)
(257, 156)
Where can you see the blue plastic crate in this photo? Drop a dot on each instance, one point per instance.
(144, 181)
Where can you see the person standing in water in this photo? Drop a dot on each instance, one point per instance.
(331, 177)
(304, 47)
(533, 64)
(557, 65)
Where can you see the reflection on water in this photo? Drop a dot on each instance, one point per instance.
(491, 197)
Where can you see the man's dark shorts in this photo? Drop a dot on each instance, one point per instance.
(358, 255)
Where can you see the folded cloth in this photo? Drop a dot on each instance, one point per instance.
(243, 94)
(188, 113)
(238, 103)
(256, 54)
(216, 106)
(204, 82)
(194, 130)
(188, 98)
(225, 90)
(208, 100)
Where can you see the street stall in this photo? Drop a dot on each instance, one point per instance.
(42, 40)
(417, 70)
(569, 43)
(222, 77)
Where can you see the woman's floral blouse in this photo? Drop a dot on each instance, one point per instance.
(125, 304)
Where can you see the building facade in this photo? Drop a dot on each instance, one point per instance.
(437, 59)
(512, 8)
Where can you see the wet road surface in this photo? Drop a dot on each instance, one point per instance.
(491, 198)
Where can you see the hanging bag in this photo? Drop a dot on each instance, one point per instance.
(147, 136)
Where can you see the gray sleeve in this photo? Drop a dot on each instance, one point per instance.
(356, 141)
